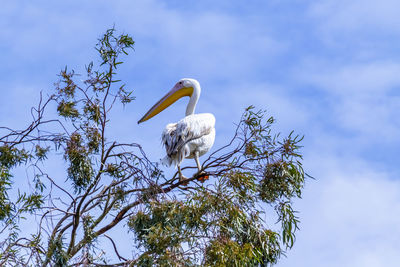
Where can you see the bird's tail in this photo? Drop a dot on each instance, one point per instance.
(166, 161)
(176, 158)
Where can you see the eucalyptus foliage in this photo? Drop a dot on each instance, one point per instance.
(107, 184)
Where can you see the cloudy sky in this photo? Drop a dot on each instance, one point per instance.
(327, 69)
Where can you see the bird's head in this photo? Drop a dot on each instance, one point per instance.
(184, 87)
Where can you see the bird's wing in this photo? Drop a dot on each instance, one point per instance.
(176, 135)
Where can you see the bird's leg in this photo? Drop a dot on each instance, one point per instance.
(196, 158)
(181, 177)
(202, 176)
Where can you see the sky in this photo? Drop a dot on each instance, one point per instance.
(329, 70)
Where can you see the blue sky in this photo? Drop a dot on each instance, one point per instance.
(326, 69)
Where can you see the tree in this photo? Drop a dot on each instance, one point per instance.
(216, 223)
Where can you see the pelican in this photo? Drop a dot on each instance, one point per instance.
(192, 136)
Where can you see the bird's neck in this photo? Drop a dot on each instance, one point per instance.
(193, 100)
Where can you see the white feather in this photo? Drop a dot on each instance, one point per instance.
(194, 133)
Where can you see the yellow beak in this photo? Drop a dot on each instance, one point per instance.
(170, 98)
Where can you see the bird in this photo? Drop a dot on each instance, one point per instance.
(192, 136)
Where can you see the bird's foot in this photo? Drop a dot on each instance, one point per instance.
(183, 180)
(202, 176)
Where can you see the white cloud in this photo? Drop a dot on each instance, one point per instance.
(30, 31)
(358, 15)
(353, 78)
(349, 216)
(290, 113)
(362, 96)
(351, 30)
(207, 44)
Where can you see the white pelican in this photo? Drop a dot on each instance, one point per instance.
(192, 136)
